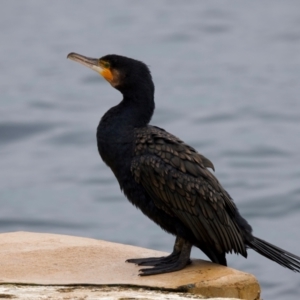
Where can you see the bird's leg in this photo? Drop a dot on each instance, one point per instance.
(156, 261)
(173, 265)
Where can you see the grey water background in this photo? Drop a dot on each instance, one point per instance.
(227, 77)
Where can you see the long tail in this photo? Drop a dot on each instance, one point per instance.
(282, 257)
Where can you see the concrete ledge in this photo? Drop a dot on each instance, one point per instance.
(49, 259)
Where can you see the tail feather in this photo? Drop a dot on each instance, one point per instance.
(281, 256)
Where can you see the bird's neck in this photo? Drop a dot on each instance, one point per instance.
(135, 110)
(138, 107)
(115, 132)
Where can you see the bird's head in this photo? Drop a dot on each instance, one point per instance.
(121, 72)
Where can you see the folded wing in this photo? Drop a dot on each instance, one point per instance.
(177, 179)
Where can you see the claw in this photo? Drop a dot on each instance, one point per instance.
(177, 260)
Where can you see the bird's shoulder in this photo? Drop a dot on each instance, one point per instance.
(170, 149)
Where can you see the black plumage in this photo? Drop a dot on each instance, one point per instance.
(167, 179)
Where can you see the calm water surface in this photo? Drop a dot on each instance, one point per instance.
(227, 77)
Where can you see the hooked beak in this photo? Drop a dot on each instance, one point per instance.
(91, 63)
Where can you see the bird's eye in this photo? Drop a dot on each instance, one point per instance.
(104, 64)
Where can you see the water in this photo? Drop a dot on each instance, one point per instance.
(227, 79)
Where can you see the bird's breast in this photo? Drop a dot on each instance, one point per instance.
(116, 150)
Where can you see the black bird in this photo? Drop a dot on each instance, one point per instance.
(167, 179)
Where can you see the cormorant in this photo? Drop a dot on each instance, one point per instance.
(167, 179)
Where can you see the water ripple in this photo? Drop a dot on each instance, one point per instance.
(14, 131)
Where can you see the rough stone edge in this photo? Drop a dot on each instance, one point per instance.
(239, 290)
(89, 292)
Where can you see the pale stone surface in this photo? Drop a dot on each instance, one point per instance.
(49, 259)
